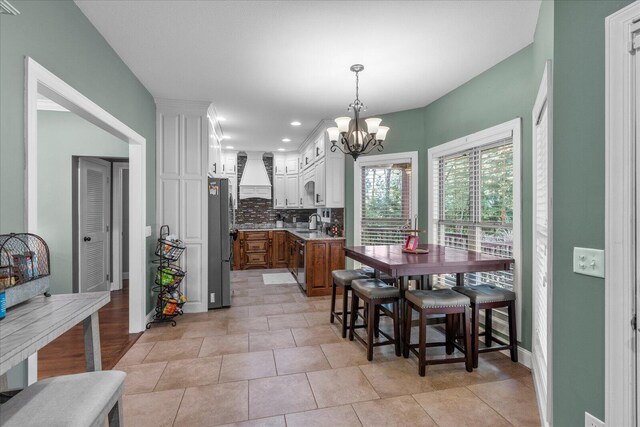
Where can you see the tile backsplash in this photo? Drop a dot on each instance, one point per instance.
(261, 211)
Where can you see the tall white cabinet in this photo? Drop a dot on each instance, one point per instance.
(182, 148)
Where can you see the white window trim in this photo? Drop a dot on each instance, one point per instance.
(511, 128)
(410, 156)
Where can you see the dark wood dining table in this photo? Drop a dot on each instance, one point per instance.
(391, 260)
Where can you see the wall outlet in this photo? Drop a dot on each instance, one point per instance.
(212, 297)
(588, 261)
(591, 421)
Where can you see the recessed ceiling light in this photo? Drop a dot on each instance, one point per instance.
(222, 119)
(286, 140)
(280, 149)
(295, 123)
(225, 137)
(229, 147)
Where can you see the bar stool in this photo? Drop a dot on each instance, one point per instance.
(375, 293)
(342, 279)
(488, 297)
(441, 301)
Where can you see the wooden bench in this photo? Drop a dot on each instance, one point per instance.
(80, 400)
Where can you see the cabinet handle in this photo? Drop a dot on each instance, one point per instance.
(300, 201)
(286, 169)
(223, 167)
(317, 151)
(317, 198)
(215, 168)
(234, 168)
(286, 202)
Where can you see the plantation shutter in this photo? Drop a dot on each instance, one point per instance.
(385, 203)
(473, 205)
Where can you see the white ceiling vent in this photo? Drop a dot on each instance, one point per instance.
(7, 9)
(255, 180)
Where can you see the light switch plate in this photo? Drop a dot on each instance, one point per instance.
(591, 421)
(588, 261)
(147, 231)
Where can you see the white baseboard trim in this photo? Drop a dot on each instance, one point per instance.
(525, 357)
(149, 316)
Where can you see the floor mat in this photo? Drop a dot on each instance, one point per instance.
(278, 279)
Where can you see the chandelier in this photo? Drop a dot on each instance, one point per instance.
(357, 141)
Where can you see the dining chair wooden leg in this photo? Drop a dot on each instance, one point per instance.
(422, 345)
(345, 311)
(513, 331)
(468, 352)
(449, 334)
(408, 311)
(476, 334)
(370, 329)
(376, 320)
(333, 303)
(396, 326)
(354, 314)
(488, 327)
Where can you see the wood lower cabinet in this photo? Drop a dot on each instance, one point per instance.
(322, 256)
(280, 249)
(253, 249)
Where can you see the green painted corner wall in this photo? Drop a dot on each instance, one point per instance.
(500, 94)
(62, 135)
(57, 35)
(579, 197)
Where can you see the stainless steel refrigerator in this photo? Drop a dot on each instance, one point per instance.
(220, 240)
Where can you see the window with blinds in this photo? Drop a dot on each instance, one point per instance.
(385, 209)
(473, 206)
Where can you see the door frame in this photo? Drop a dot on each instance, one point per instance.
(544, 98)
(40, 80)
(620, 219)
(116, 221)
(77, 261)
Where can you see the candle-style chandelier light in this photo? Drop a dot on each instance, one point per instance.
(354, 140)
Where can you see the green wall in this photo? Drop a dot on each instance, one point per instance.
(62, 135)
(58, 36)
(579, 196)
(500, 94)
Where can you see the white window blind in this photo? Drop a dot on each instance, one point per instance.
(385, 202)
(473, 206)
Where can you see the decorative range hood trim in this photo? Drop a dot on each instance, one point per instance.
(255, 181)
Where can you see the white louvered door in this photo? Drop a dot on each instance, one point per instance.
(542, 202)
(93, 218)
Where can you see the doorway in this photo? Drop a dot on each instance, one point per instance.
(622, 210)
(542, 245)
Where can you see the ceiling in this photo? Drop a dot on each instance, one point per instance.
(265, 64)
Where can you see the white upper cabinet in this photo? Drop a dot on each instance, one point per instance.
(291, 191)
(320, 184)
(320, 145)
(291, 163)
(308, 156)
(279, 192)
(230, 162)
(279, 164)
(312, 177)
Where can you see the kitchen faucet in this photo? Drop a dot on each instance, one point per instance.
(311, 222)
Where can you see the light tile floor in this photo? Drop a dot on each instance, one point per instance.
(273, 359)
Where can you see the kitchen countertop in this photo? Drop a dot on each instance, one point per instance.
(302, 233)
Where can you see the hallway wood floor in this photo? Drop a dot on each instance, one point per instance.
(65, 355)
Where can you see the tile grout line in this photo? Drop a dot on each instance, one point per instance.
(488, 404)
(175, 417)
(424, 409)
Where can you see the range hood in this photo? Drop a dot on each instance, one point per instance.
(255, 180)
